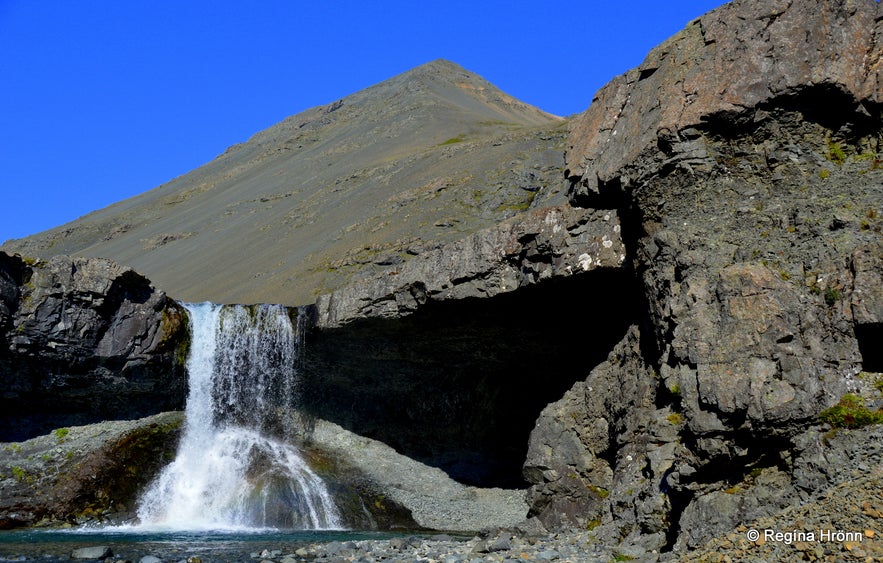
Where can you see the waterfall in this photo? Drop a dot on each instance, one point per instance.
(233, 468)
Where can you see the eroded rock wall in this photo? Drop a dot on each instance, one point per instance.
(84, 340)
(552, 242)
(458, 384)
(744, 159)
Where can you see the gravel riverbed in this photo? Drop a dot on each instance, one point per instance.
(499, 546)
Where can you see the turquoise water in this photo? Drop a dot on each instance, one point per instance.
(171, 546)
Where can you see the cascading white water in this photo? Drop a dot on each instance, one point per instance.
(229, 472)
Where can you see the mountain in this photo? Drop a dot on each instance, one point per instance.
(423, 158)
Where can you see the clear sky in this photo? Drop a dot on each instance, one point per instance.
(101, 100)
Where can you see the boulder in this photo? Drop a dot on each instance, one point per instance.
(85, 475)
(93, 552)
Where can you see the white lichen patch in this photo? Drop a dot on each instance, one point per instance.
(551, 220)
(584, 261)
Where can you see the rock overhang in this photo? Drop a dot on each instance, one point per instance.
(540, 245)
(740, 56)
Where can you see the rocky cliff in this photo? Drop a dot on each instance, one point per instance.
(744, 155)
(738, 170)
(84, 340)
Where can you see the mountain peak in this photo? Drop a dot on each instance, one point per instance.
(444, 70)
(443, 81)
(439, 65)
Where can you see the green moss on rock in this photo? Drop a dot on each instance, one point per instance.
(361, 504)
(106, 483)
(851, 412)
(175, 326)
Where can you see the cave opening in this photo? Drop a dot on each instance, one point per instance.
(869, 337)
(459, 385)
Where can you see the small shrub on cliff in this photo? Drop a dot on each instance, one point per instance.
(866, 156)
(832, 294)
(675, 418)
(835, 152)
(851, 412)
(61, 434)
(600, 491)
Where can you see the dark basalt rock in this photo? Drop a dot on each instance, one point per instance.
(726, 67)
(743, 157)
(84, 340)
(84, 475)
(548, 243)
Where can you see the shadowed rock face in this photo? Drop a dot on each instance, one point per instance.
(459, 384)
(84, 340)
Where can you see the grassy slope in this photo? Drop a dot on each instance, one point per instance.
(425, 157)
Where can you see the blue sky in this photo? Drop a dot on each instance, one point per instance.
(102, 100)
